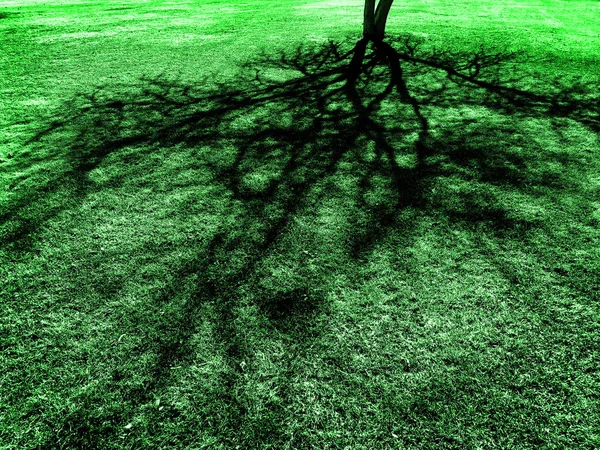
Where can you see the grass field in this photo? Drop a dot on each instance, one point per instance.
(205, 244)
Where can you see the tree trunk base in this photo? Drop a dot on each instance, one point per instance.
(386, 51)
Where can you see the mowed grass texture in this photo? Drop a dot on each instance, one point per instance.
(207, 243)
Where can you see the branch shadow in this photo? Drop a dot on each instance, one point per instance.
(278, 143)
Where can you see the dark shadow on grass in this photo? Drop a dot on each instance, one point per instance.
(277, 143)
(93, 127)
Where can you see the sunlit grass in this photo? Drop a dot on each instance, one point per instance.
(192, 264)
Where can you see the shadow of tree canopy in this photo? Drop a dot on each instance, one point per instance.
(289, 137)
(164, 112)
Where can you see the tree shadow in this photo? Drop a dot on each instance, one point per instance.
(278, 143)
(6, 14)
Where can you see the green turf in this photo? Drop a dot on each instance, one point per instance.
(205, 244)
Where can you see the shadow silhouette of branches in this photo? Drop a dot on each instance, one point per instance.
(276, 144)
(313, 74)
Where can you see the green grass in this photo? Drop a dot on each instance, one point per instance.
(205, 244)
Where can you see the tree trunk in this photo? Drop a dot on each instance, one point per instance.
(369, 21)
(373, 31)
(375, 19)
(381, 15)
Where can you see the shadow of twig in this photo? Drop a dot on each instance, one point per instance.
(279, 142)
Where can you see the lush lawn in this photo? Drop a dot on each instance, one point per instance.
(205, 243)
